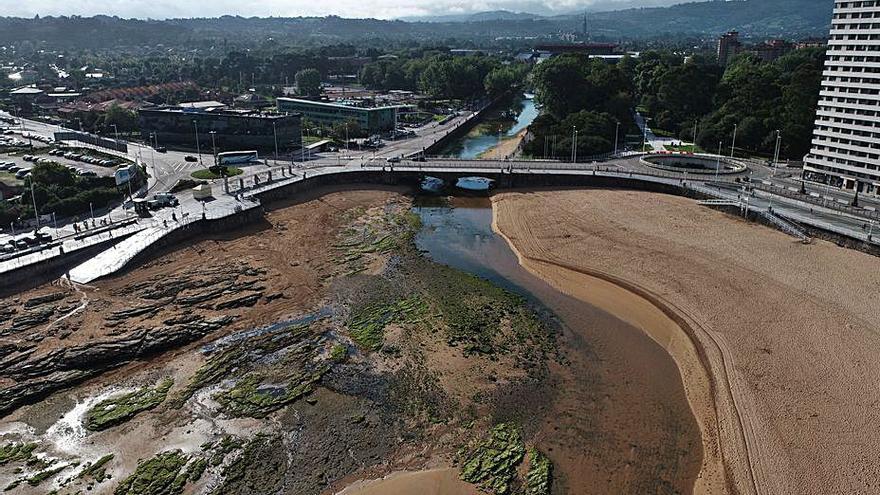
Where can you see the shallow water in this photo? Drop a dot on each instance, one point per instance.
(619, 421)
(492, 130)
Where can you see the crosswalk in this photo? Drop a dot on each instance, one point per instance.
(184, 166)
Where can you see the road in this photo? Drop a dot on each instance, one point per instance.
(167, 168)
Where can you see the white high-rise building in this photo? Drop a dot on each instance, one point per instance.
(846, 139)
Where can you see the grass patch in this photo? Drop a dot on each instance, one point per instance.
(114, 411)
(492, 463)
(163, 474)
(689, 148)
(216, 172)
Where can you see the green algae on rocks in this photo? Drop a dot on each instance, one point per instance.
(492, 463)
(117, 410)
(163, 474)
(96, 471)
(367, 325)
(15, 452)
(540, 475)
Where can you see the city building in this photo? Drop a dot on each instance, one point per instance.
(229, 129)
(845, 148)
(372, 120)
(587, 48)
(728, 47)
(771, 50)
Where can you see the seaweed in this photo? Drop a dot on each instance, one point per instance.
(118, 410)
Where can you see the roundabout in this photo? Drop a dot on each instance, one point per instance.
(695, 164)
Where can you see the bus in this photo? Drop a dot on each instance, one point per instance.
(237, 157)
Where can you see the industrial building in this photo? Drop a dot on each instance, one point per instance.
(372, 120)
(846, 138)
(229, 129)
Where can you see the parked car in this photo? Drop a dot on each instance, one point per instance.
(190, 158)
(161, 149)
(21, 174)
(43, 237)
(21, 244)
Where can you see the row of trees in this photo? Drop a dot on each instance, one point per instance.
(58, 190)
(757, 97)
(444, 76)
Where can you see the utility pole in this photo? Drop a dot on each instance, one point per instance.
(574, 133)
(198, 147)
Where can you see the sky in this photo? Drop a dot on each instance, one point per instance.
(383, 9)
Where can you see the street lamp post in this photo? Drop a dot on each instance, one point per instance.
(616, 131)
(733, 143)
(213, 145)
(718, 161)
(574, 133)
(115, 131)
(198, 147)
(645, 134)
(694, 147)
(275, 137)
(34, 199)
(776, 153)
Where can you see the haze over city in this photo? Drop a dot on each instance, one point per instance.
(386, 9)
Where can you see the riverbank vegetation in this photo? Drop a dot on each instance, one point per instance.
(584, 96)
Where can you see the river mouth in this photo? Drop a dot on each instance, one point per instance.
(619, 421)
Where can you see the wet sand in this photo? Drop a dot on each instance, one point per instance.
(441, 481)
(506, 148)
(617, 420)
(777, 342)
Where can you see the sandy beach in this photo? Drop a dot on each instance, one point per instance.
(776, 341)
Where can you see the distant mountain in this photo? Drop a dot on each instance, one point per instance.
(756, 18)
(494, 15)
(783, 18)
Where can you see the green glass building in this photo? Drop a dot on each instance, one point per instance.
(373, 120)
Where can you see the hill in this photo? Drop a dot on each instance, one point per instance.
(757, 18)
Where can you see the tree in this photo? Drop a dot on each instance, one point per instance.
(308, 82)
(124, 120)
(503, 79)
(573, 82)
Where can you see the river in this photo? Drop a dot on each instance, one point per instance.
(619, 421)
(496, 126)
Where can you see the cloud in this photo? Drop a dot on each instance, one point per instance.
(384, 9)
